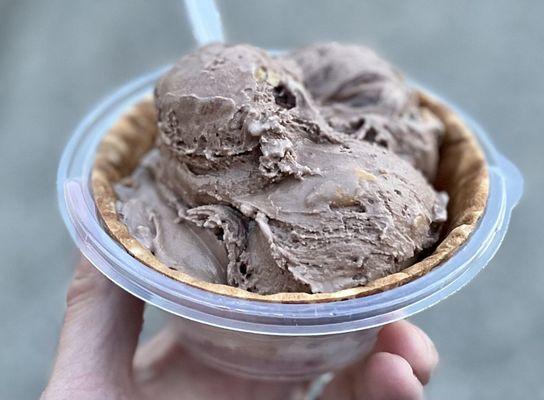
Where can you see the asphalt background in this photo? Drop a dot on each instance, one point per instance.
(58, 58)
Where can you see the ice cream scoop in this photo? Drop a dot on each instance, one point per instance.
(364, 96)
(224, 104)
(247, 151)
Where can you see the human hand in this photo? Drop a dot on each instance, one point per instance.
(99, 358)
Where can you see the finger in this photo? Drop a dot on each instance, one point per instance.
(387, 376)
(412, 344)
(380, 376)
(100, 332)
(157, 355)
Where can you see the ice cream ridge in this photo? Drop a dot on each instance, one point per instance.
(310, 171)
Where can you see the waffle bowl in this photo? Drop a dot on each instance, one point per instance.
(462, 173)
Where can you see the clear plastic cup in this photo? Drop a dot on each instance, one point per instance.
(259, 339)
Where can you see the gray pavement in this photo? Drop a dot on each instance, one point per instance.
(58, 58)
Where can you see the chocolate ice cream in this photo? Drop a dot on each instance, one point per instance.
(362, 95)
(260, 179)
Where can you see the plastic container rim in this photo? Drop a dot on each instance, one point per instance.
(78, 212)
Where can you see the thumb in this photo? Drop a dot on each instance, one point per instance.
(99, 335)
